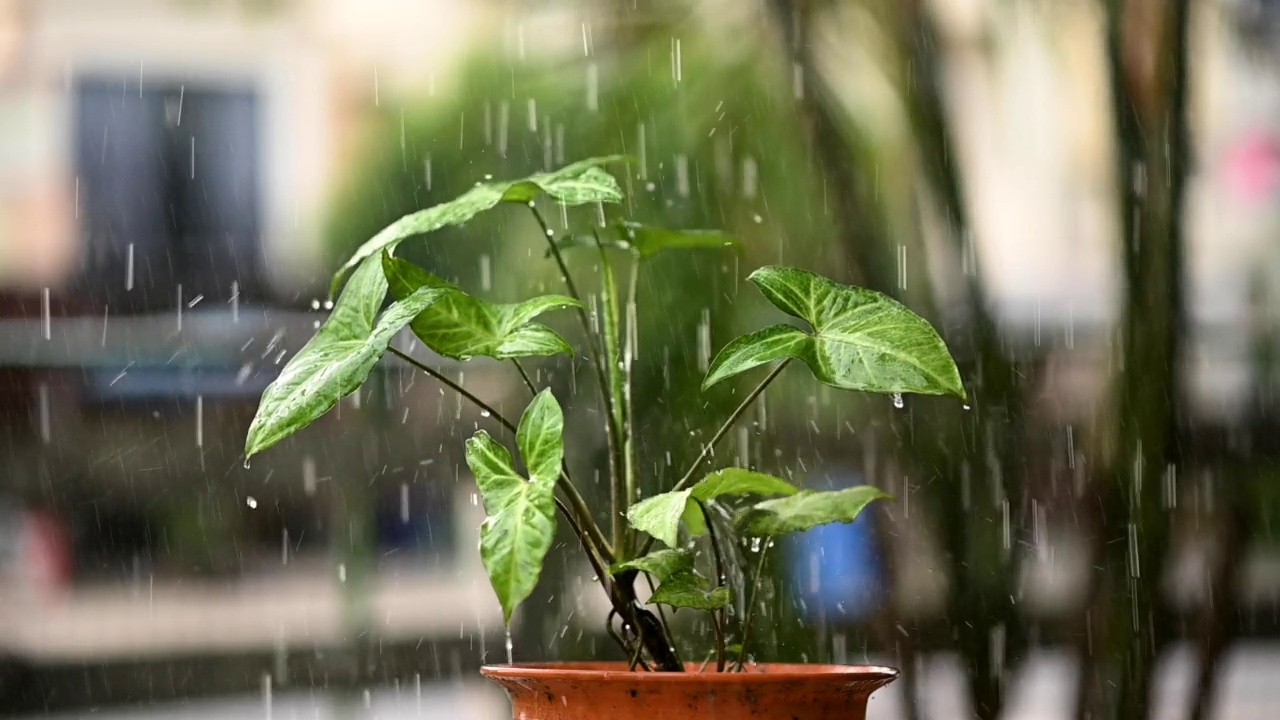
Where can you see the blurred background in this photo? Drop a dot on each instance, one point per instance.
(1084, 196)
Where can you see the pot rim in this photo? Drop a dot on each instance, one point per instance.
(763, 673)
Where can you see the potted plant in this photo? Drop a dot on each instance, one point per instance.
(855, 339)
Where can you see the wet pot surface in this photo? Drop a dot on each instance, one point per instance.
(587, 691)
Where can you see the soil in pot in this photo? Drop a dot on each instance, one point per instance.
(590, 691)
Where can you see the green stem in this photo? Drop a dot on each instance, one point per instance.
(716, 615)
(597, 361)
(528, 382)
(613, 359)
(662, 614)
(563, 482)
(715, 439)
(444, 380)
(717, 623)
(751, 605)
(629, 417)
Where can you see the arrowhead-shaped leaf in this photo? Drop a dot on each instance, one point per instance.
(740, 481)
(730, 481)
(660, 515)
(521, 522)
(337, 360)
(679, 585)
(690, 590)
(647, 241)
(807, 509)
(576, 184)
(661, 564)
(861, 340)
(776, 342)
(461, 326)
(541, 438)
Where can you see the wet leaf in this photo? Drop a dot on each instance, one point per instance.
(337, 360)
(807, 509)
(660, 515)
(661, 564)
(541, 438)
(576, 184)
(860, 339)
(776, 342)
(462, 326)
(730, 481)
(521, 523)
(647, 240)
(690, 590)
(679, 585)
(740, 481)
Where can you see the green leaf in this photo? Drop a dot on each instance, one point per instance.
(660, 515)
(776, 342)
(740, 481)
(694, 521)
(541, 438)
(690, 590)
(576, 184)
(861, 340)
(337, 360)
(730, 481)
(807, 509)
(646, 241)
(679, 584)
(461, 326)
(661, 564)
(521, 522)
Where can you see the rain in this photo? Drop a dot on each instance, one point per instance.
(1081, 198)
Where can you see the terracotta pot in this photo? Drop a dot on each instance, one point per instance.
(591, 691)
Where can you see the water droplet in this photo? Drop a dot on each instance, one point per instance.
(251, 502)
(342, 572)
(485, 413)
(510, 660)
(966, 407)
(755, 544)
(246, 463)
(897, 401)
(328, 304)
(315, 304)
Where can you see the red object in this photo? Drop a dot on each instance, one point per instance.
(1253, 165)
(46, 556)
(589, 691)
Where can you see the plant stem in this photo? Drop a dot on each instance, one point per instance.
(611, 431)
(613, 359)
(636, 657)
(718, 624)
(629, 416)
(737, 413)
(662, 615)
(717, 615)
(563, 482)
(528, 382)
(484, 407)
(751, 605)
(715, 439)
